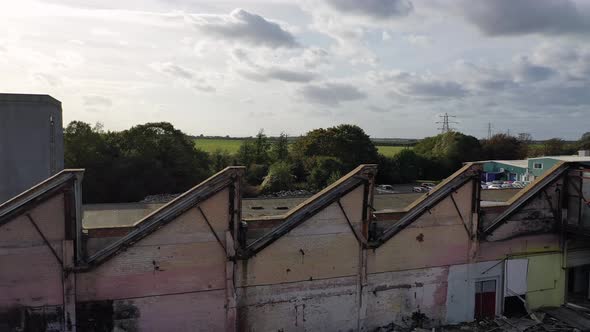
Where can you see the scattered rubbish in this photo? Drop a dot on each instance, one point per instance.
(160, 198)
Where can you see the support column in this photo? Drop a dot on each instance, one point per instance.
(230, 291)
(69, 286)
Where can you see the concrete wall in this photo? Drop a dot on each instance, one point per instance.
(307, 279)
(412, 268)
(172, 279)
(316, 277)
(31, 291)
(31, 141)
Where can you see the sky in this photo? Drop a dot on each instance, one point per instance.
(222, 67)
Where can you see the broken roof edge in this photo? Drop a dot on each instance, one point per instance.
(524, 195)
(359, 170)
(168, 212)
(310, 207)
(419, 200)
(38, 192)
(427, 201)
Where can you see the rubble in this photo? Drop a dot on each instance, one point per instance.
(288, 193)
(159, 198)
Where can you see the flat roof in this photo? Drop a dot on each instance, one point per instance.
(564, 158)
(515, 163)
(28, 98)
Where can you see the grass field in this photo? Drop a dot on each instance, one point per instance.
(390, 151)
(213, 144)
(232, 146)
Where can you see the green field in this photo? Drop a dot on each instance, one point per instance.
(213, 144)
(390, 151)
(232, 146)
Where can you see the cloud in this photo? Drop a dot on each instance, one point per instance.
(189, 77)
(245, 27)
(47, 79)
(378, 109)
(528, 72)
(294, 71)
(419, 40)
(97, 101)
(418, 86)
(376, 9)
(520, 17)
(331, 94)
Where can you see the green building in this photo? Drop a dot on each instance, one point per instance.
(505, 170)
(526, 170)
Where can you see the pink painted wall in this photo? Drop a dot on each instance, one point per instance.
(438, 238)
(29, 273)
(174, 276)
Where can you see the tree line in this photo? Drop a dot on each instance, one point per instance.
(156, 158)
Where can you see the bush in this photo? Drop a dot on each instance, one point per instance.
(321, 170)
(279, 178)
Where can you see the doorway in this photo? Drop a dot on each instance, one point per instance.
(485, 299)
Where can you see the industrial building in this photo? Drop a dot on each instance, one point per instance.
(31, 141)
(332, 263)
(527, 169)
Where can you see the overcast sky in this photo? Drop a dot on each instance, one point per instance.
(232, 67)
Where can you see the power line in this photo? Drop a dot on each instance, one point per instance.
(445, 123)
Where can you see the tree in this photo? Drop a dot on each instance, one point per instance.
(254, 151)
(503, 147)
(525, 137)
(347, 143)
(148, 159)
(449, 150)
(584, 142)
(279, 178)
(554, 147)
(220, 159)
(321, 170)
(280, 148)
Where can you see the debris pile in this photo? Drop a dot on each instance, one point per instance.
(159, 198)
(288, 193)
(559, 320)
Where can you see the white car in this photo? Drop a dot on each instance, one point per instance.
(495, 186)
(420, 189)
(507, 185)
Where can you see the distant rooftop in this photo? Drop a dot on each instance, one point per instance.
(566, 158)
(28, 98)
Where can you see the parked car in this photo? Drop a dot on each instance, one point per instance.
(484, 186)
(420, 189)
(495, 186)
(428, 185)
(506, 185)
(385, 189)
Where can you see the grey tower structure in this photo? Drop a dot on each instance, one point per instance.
(31, 141)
